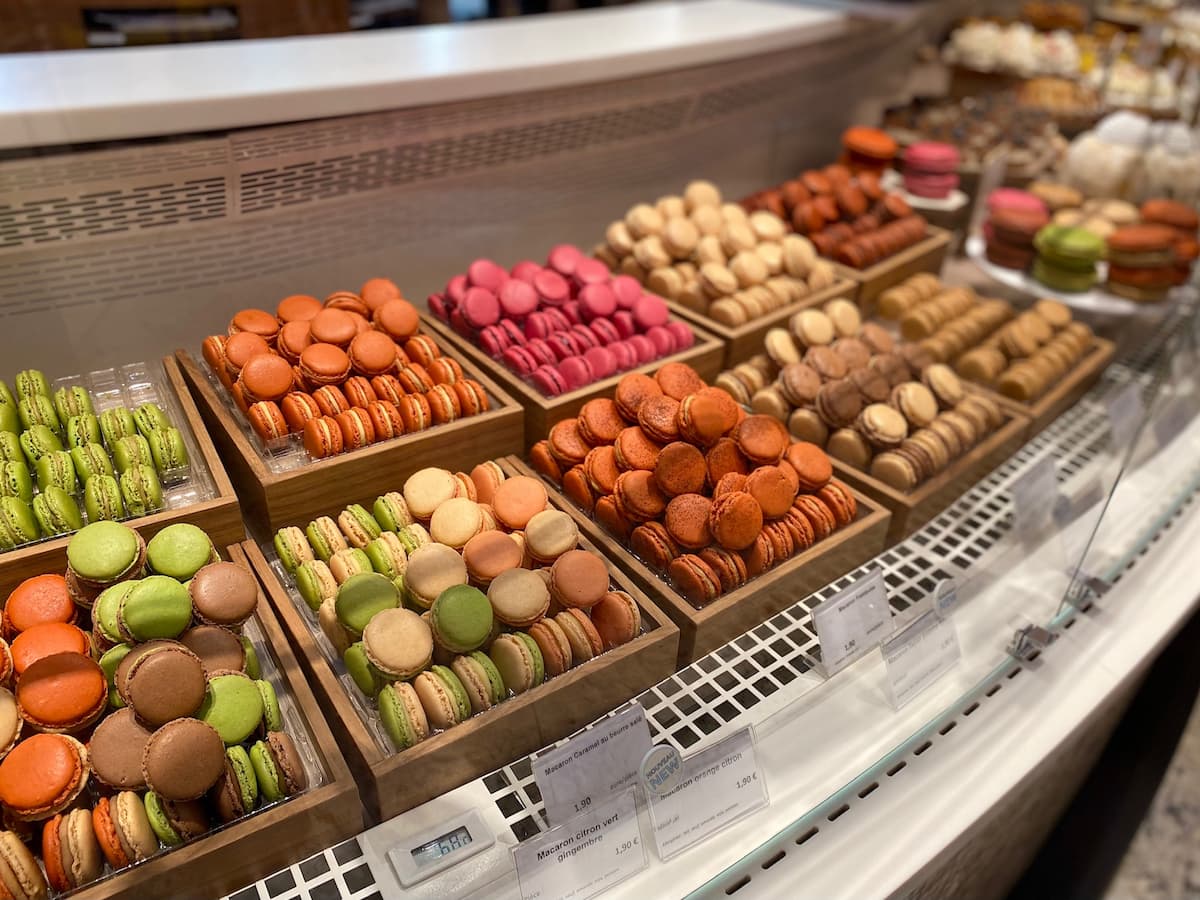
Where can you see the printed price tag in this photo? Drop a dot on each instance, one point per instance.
(852, 622)
(1125, 413)
(919, 654)
(585, 856)
(593, 765)
(719, 785)
(1035, 498)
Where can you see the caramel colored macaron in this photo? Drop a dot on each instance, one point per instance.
(735, 520)
(686, 520)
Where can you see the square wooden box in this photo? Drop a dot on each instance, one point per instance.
(912, 510)
(542, 412)
(392, 783)
(1062, 396)
(220, 516)
(743, 341)
(924, 256)
(703, 630)
(273, 499)
(260, 844)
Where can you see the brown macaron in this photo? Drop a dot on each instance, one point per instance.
(735, 520)
(183, 759)
(687, 521)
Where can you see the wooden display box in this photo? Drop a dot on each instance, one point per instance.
(273, 499)
(392, 783)
(912, 510)
(743, 341)
(542, 412)
(257, 845)
(220, 516)
(1066, 393)
(924, 256)
(703, 630)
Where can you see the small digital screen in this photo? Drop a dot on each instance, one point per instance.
(441, 846)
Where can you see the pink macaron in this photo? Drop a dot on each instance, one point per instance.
(493, 341)
(459, 323)
(643, 347)
(437, 306)
(933, 157)
(526, 270)
(602, 360)
(538, 325)
(684, 336)
(622, 319)
(572, 311)
(517, 298)
(577, 371)
(663, 340)
(605, 331)
(551, 287)
(591, 271)
(585, 337)
(625, 355)
(649, 311)
(627, 290)
(480, 307)
(485, 273)
(541, 352)
(558, 319)
(520, 360)
(563, 258)
(597, 300)
(549, 381)
(936, 187)
(563, 344)
(512, 332)
(456, 287)
(1012, 198)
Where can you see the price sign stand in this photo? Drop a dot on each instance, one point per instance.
(718, 786)
(852, 622)
(585, 855)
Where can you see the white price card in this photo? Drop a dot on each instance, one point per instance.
(720, 785)
(1035, 498)
(592, 765)
(919, 654)
(584, 856)
(852, 621)
(1125, 412)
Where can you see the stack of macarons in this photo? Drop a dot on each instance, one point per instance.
(1014, 219)
(715, 258)
(453, 594)
(1182, 219)
(866, 149)
(877, 404)
(1066, 258)
(846, 214)
(1142, 265)
(340, 374)
(60, 460)
(563, 325)
(703, 493)
(931, 169)
(146, 731)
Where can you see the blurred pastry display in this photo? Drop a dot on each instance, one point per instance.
(1015, 49)
(1055, 15)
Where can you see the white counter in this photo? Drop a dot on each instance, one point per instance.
(82, 96)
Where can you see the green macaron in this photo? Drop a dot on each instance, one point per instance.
(108, 664)
(1067, 280)
(461, 618)
(243, 774)
(383, 559)
(179, 551)
(361, 596)
(495, 683)
(315, 583)
(72, 401)
(233, 706)
(252, 667)
(106, 607)
(55, 469)
(131, 450)
(83, 430)
(539, 664)
(1069, 247)
(413, 536)
(10, 447)
(272, 714)
(18, 525)
(37, 441)
(291, 546)
(6, 395)
(391, 512)
(324, 537)
(103, 551)
(168, 450)
(157, 607)
(31, 381)
(160, 824)
(358, 525)
(56, 511)
(115, 424)
(38, 410)
(455, 689)
(270, 782)
(10, 419)
(362, 672)
(15, 480)
(149, 418)
(402, 716)
(102, 499)
(89, 460)
(140, 490)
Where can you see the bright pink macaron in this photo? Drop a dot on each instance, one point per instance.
(932, 157)
(563, 258)
(517, 298)
(487, 274)
(663, 340)
(684, 336)
(577, 371)
(1012, 198)
(537, 325)
(493, 341)
(625, 354)
(541, 352)
(551, 287)
(627, 290)
(622, 320)
(456, 287)
(597, 300)
(584, 337)
(602, 361)
(480, 307)
(525, 270)
(549, 381)
(520, 360)
(591, 271)
(605, 331)
(512, 332)
(649, 311)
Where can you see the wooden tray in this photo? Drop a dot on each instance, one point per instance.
(258, 845)
(912, 510)
(273, 499)
(703, 630)
(542, 412)
(1063, 395)
(220, 516)
(392, 783)
(923, 256)
(743, 341)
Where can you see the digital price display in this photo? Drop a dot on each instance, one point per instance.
(422, 855)
(442, 845)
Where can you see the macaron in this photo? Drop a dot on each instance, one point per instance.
(56, 511)
(518, 660)
(42, 776)
(155, 607)
(218, 648)
(102, 499)
(83, 430)
(272, 719)
(23, 878)
(131, 450)
(168, 450)
(185, 757)
(481, 680)
(232, 706)
(174, 822)
(115, 424)
(366, 677)
(90, 460)
(116, 748)
(179, 551)
(37, 600)
(358, 525)
(64, 692)
(43, 640)
(316, 583)
(361, 597)
(123, 829)
(461, 618)
(278, 766)
(432, 568)
(581, 634)
(387, 555)
(38, 410)
(402, 715)
(236, 791)
(398, 642)
(141, 490)
(18, 525)
(292, 548)
(325, 537)
(11, 723)
(391, 512)
(554, 646)
(168, 683)
(442, 696)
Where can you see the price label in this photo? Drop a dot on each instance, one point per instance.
(427, 853)
(584, 856)
(1125, 413)
(720, 785)
(852, 622)
(594, 764)
(1035, 498)
(919, 654)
